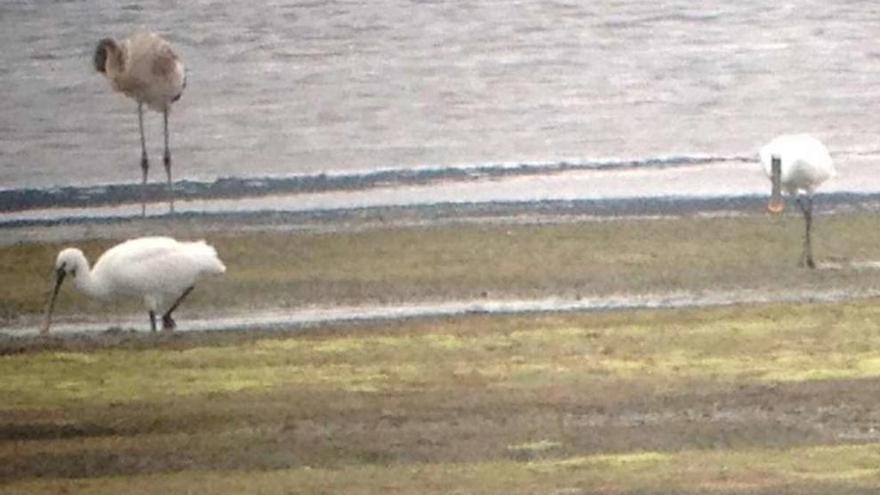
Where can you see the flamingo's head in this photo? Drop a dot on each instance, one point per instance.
(106, 48)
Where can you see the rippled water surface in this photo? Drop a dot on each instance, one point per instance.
(279, 88)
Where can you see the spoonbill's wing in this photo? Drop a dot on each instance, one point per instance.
(806, 162)
(154, 265)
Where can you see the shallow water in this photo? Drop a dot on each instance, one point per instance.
(329, 86)
(304, 317)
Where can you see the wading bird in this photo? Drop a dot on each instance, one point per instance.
(146, 69)
(159, 270)
(798, 164)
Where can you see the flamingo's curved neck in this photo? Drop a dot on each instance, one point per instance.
(115, 61)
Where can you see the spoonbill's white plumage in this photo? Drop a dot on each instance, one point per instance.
(797, 164)
(146, 69)
(159, 270)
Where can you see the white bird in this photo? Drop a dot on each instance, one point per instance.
(160, 270)
(798, 164)
(146, 69)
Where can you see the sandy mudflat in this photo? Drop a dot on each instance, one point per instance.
(332, 266)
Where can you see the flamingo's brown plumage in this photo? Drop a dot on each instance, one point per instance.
(145, 68)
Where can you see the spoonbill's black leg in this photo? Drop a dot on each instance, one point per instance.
(168, 323)
(806, 206)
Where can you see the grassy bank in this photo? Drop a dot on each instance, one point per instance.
(763, 399)
(277, 269)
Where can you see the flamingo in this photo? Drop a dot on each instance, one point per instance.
(146, 69)
(797, 163)
(159, 270)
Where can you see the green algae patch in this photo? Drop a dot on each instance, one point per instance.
(758, 399)
(782, 342)
(812, 470)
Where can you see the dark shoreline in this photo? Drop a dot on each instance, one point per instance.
(444, 212)
(237, 187)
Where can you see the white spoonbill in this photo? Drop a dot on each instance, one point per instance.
(146, 69)
(797, 163)
(160, 270)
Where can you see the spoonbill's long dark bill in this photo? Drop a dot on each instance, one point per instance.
(146, 69)
(159, 270)
(797, 164)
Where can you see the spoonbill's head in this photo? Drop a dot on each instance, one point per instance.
(776, 204)
(106, 48)
(69, 261)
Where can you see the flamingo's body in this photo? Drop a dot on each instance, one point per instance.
(145, 68)
(159, 270)
(797, 164)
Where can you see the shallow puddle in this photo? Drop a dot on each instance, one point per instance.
(313, 316)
